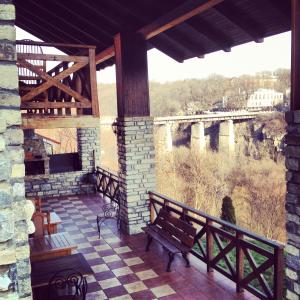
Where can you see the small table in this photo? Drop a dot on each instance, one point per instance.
(54, 221)
(42, 271)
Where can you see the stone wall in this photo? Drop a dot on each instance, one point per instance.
(292, 152)
(136, 170)
(70, 183)
(60, 184)
(14, 249)
(88, 145)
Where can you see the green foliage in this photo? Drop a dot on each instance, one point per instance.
(228, 212)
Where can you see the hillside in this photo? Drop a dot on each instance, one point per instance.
(173, 98)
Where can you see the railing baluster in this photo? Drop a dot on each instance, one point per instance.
(278, 273)
(209, 245)
(239, 262)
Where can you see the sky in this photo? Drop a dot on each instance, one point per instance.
(250, 58)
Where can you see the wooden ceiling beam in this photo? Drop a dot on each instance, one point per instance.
(211, 33)
(241, 20)
(49, 122)
(175, 17)
(282, 7)
(165, 42)
(30, 17)
(63, 21)
(159, 42)
(105, 38)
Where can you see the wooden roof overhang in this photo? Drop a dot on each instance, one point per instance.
(181, 29)
(222, 25)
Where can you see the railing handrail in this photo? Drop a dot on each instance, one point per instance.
(241, 230)
(109, 171)
(237, 241)
(55, 45)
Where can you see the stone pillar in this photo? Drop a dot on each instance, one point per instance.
(136, 170)
(226, 137)
(165, 142)
(198, 143)
(14, 249)
(88, 147)
(292, 154)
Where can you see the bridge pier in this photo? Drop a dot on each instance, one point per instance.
(198, 143)
(226, 137)
(165, 137)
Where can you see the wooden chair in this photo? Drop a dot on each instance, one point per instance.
(38, 219)
(67, 284)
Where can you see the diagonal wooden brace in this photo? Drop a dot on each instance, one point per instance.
(53, 81)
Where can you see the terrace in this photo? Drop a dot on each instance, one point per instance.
(121, 267)
(34, 96)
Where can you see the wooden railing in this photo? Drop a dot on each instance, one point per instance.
(251, 261)
(68, 89)
(108, 184)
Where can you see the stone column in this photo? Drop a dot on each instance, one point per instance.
(226, 137)
(198, 143)
(165, 142)
(14, 249)
(292, 154)
(136, 170)
(88, 147)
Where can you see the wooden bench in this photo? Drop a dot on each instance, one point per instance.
(175, 235)
(50, 246)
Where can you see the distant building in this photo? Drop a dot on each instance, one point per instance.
(265, 98)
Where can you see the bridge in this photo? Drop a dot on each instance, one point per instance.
(226, 121)
(209, 117)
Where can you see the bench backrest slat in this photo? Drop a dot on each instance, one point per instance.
(175, 227)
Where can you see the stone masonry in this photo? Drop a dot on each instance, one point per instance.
(59, 184)
(88, 145)
(136, 170)
(14, 249)
(70, 183)
(292, 152)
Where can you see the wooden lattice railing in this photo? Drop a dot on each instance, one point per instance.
(251, 261)
(68, 89)
(107, 184)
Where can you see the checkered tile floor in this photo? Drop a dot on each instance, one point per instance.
(122, 269)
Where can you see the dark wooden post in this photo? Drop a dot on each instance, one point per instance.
(295, 67)
(209, 245)
(93, 83)
(132, 75)
(278, 273)
(239, 262)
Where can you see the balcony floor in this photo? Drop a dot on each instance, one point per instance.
(122, 268)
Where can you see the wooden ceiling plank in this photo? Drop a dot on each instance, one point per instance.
(211, 33)
(46, 24)
(107, 37)
(238, 18)
(62, 20)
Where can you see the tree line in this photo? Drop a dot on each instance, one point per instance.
(173, 98)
